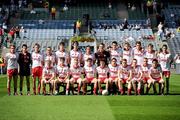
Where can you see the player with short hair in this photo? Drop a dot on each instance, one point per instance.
(138, 53)
(90, 75)
(102, 75)
(12, 69)
(75, 54)
(124, 77)
(145, 74)
(136, 73)
(113, 73)
(49, 56)
(150, 54)
(127, 53)
(165, 60)
(37, 64)
(62, 75)
(24, 61)
(115, 52)
(155, 75)
(48, 77)
(61, 53)
(88, 55)
(75, 72)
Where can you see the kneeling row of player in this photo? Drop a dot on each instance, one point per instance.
(134, 76)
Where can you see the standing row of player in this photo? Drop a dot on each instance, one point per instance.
(135, 66)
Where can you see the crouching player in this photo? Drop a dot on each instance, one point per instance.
(113, 73)
(145, 75)
(62, 75)
(76, 72)
(155, 75)
(48, 77)
(136, 77)
(102, 75)
(124, 77)
(90, 73)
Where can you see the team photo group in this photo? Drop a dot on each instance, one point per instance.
(113, 69)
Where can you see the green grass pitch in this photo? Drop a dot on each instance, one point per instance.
(91, 107)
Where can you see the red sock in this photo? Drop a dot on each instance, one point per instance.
(95, 89)
(139, 91)
(121, 90)
(79, 88)
(129, 91)
(67, 89)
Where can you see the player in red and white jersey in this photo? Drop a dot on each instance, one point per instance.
(150, 54)
(49, 56)
(37, 63)
(61, 53)
(88, 55)
(165, 60)
(116, 52)
(90, 73)
(75, 54)
(127, 53)
(145, 74)
(138, 53)
(62, 72)
(48, 77)
(12, 69)
(113, 73)
(76, 72)
(155, 75)
(136, 75)
(124, 77)
(102, 75)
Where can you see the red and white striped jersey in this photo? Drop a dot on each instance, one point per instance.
(102, 72)
(85, 57)
(48, 72)
(113, 71)
(150, 56)
(62, 71)
(128, 56)
(155, 72)
(76, 71)
(90, 71)
(124, 72)
(116, 54)
(74, 55)
(138, 55)
(164, 61)
(37, 60)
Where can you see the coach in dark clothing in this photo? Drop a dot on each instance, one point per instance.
(24, 61)
(101, 54)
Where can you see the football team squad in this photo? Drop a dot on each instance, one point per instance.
(111, 70)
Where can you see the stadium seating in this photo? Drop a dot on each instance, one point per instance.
(45, 34)
(171, 21)
(96, 11)
(47, 24)
(96, 23)
(117, 34)
(174, 43)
